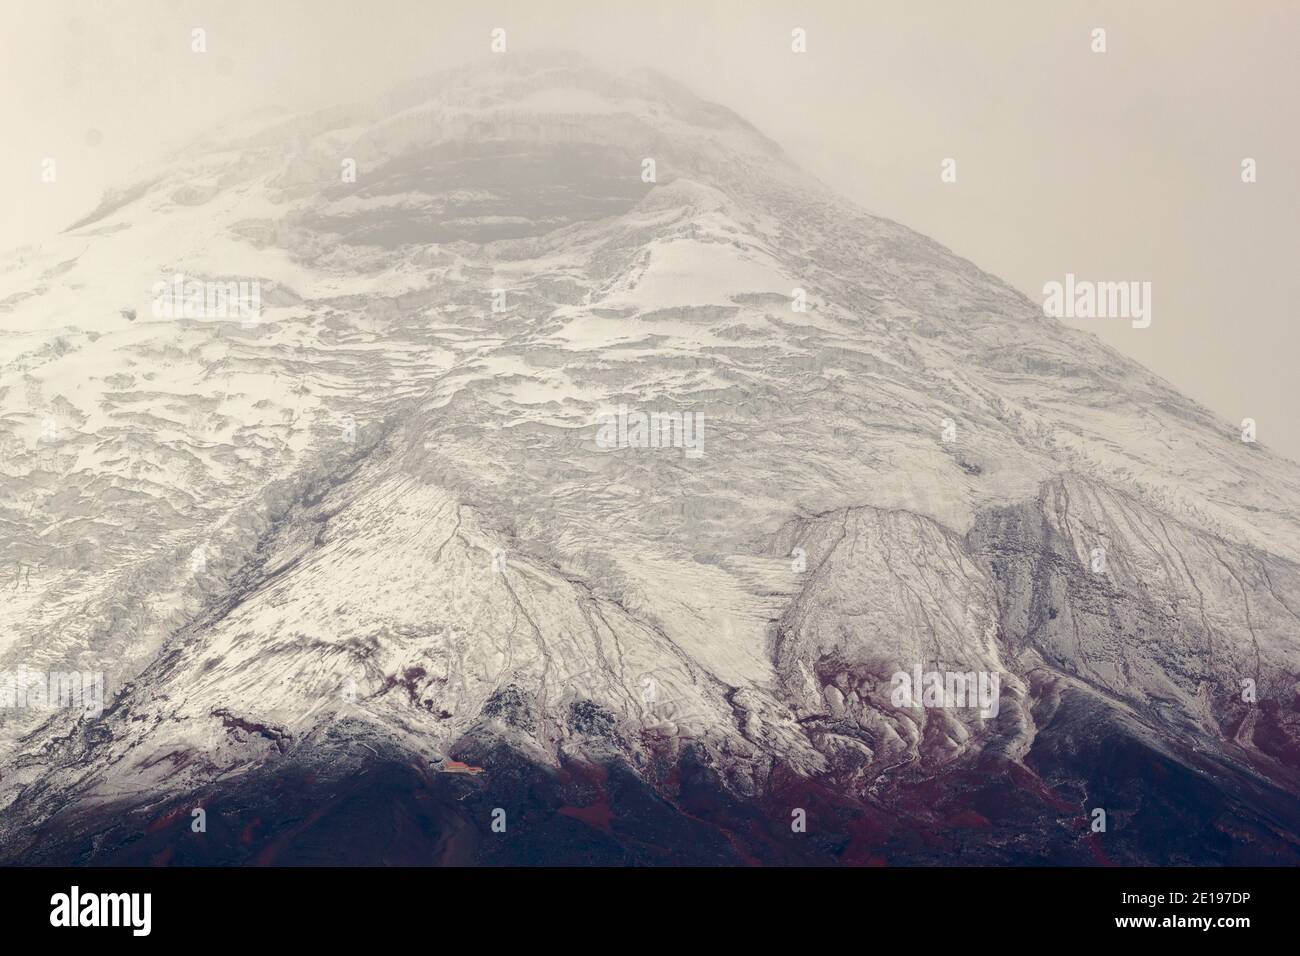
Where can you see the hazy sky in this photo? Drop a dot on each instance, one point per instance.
(1123, 165)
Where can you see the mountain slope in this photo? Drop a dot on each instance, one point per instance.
(416, 548)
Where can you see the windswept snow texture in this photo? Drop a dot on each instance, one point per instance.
(412, 549)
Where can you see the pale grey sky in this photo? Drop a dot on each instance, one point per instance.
(1116, 166)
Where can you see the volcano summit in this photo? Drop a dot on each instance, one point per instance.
(419, 556)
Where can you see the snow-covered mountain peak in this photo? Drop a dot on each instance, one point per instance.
(573, 420)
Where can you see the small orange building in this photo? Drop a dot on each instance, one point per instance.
(455, 766)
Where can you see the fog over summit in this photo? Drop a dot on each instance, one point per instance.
(582, 457)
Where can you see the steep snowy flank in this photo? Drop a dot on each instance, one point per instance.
(379, 527)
